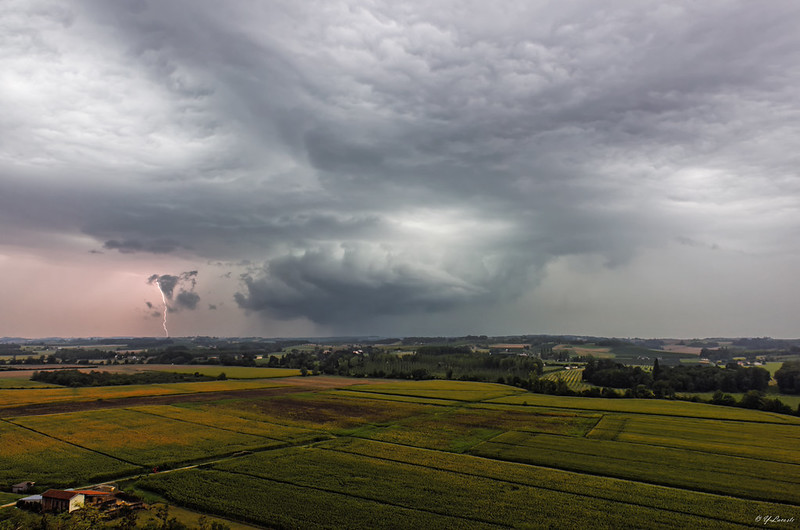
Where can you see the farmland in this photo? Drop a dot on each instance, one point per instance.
(572, 377)
(321, 452)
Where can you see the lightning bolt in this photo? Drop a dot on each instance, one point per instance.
(163, 299)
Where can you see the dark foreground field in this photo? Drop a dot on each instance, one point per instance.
(349, 453)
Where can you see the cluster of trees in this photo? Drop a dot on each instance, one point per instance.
(75, 378)
(91, 517)
(665, 381)
(788, 377)
(428, 362)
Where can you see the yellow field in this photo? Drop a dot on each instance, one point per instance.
(140, 438)
(17, 397)
(27, 455)
(438, 389)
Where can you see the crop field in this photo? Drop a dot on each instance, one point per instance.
(572, 377)
(142, 439)
(317, 411)
(648, 406)
(235, 372)
(745, 439)
(23, 454)
(437, 389)
(727, 475)
(193, 413)
(458, 428)
(426, 488)
(336, 452)
(17, 397)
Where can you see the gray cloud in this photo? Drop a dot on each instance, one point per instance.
(158, 246)
(390, 159)
(185, 283)
(187, 299)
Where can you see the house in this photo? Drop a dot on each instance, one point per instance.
(62, 501)
(22, 487)
(96, 497)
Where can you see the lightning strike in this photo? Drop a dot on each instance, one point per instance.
(163, 299)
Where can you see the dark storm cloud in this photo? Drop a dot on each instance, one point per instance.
(187, 299)
(324, 289)
(185, 283)
(395, 159)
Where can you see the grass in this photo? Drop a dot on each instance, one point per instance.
(187, 517)
(20, 383)
(6, 498)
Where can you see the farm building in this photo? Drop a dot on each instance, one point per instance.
(62, 501)
(22, 487)
(32, 503)
(95, 497)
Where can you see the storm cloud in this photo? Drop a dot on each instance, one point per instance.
(184, 283)
(352, 162)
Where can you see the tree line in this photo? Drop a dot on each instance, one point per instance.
(75, 378)
(667, 380)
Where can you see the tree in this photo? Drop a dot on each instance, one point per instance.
(656, 370)
(788, 377)
(753, 399)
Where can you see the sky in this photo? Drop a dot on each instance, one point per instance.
(318, 168)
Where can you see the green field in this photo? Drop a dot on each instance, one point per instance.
(421, 454)
(19, 382)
